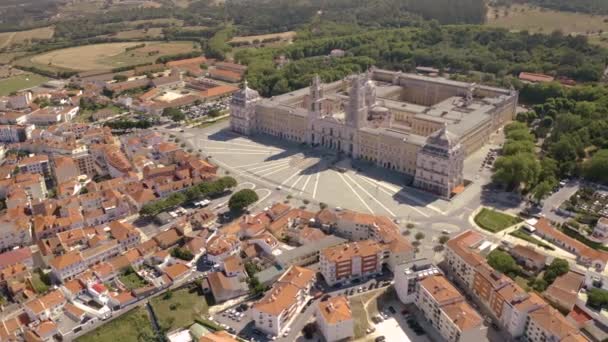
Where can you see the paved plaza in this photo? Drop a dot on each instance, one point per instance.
(279, 170)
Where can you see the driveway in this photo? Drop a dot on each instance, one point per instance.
(553, 202)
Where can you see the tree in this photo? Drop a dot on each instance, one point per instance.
(175, 114)
(503, 262)
(596, 168)
(214, 112)
(597, 298)
(516, 170)
(181, 253)
(419, 236)
(120, 78)
(443, 239)
(538, 284)
(542, 190)
(241, 199)
(557, 268)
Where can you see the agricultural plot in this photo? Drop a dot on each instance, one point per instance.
(12, 38)
(107, 56)
(534, 19)
(23, 81)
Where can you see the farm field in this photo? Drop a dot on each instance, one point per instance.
(534, 19)
(23, 81)
(10, 38)
(132, 326)
(289, 35)
(106, 56)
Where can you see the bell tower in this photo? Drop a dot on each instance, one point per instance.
(316, 98)
(356, 114)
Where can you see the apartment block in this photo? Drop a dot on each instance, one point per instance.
(335, 319)
(350, 261)
(446, 310)
(273, 313)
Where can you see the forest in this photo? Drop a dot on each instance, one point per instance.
(456, 49)
(571, 126)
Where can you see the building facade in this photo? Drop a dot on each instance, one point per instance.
(420, 126)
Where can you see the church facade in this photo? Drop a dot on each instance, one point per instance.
(421, 126)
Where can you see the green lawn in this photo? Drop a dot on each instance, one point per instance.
(134, 326)
(132, 281)
(527, 237)
(16, 83)
(494, 221)
(180, 309)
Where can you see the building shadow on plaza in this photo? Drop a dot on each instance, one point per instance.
(494, 196)
(328, 159)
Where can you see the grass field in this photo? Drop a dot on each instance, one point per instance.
(10, 38)
(130, 327)
(23, 81)
(535, 19)
(289, 35)
(180, 309)
(494, 221)
(105, 56)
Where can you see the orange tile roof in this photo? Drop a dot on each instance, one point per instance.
(285, 291)
(553, 322)
(532, 77)
(63, 261)
(233, 263)
(219, 91)
(51, 299)
(347, 251)
(175, 271)
(440, 289)
(335, 310)
(218, 336)
(462, 244)
(545, 227)
(462, 315)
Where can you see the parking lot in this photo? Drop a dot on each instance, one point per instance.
(207, 108)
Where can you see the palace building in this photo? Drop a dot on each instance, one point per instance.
(423, 127)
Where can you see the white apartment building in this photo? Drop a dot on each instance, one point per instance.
(464, 253)
(601, 228)
(335, 319)
(351, 261)
(447, 311)
(36, 164)
(548, 324)
(45, 307)
(274, 313)
(15, 229)
(409, 275)
(67, 266)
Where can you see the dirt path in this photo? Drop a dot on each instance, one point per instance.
(8, 41)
